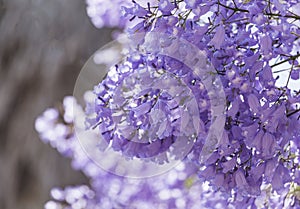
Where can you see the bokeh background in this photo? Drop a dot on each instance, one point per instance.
(43, 45)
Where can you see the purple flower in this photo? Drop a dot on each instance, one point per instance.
(280, 177)
(266, 44)
(166, 7)
(295, 74)
(268, 145)
(229, 165)
(240, 179)
(218, 38)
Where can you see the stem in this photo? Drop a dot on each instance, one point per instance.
(292, 113)
(283, 70)
(289, 59)
(295, 34)
(290, 73)
(285, 16)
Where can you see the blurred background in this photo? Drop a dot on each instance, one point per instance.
(43, 45)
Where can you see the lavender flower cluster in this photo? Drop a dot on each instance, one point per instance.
(175, 189)
(150, 102)
(144, 107)
(179, 188)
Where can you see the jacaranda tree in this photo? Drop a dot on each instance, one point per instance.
(199, 107)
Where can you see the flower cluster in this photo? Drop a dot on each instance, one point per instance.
(149, 104)
(106, 13)
(178, 188)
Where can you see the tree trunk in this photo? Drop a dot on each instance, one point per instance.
(43, 45)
